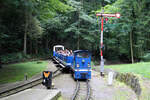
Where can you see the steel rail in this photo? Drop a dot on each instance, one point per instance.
(26, 85)
(88, 90)
(77, 89)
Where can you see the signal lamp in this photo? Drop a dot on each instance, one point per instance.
(118, 15)
(106, 19)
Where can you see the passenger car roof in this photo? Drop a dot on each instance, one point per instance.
(76, 51)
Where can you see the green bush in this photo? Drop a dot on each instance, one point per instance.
(14, 57)
(146, 57)
(19, 57)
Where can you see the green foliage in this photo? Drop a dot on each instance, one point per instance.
(69, 22)
(34, 28)
(50, 8)
(146, 57)
(14, 57)
(20, 57)
(133, 20)
(20, 16)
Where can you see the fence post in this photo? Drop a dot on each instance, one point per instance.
(26, 76)
(110, 77)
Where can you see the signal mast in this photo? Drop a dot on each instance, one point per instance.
(102, 15)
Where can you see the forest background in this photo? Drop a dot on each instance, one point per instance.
(30, 28)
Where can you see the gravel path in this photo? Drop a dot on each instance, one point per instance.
(101, 90)
(63, 82)
(66, 85)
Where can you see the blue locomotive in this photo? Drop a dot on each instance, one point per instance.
(82, 64)
(79, 62)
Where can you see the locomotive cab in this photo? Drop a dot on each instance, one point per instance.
(82, 65)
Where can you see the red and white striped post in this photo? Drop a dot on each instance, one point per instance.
(102, 15)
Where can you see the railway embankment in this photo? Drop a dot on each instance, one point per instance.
(136, 76)
(139, 84)
(19, 87)
(102, 91)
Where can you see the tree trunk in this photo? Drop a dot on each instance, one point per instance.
(131, 46)
(36, 47)
(30, 46)
(95, 4)
(0, 62)
(25, 33)
(131, 35)
(25, 43)
(0, 57)
(46, 44)
(78, 43)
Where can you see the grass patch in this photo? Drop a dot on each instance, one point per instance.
(60, 98)
(142, 68)
(16, 72)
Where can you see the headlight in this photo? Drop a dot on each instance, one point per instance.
(77, 65)
(89, 65)
(83, 61)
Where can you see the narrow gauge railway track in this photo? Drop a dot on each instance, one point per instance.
(26, 85)
(82, 91)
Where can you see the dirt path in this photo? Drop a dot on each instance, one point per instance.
(101, 90)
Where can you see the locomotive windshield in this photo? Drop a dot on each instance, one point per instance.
(83, 55)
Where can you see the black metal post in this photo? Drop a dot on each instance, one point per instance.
(47, 79)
